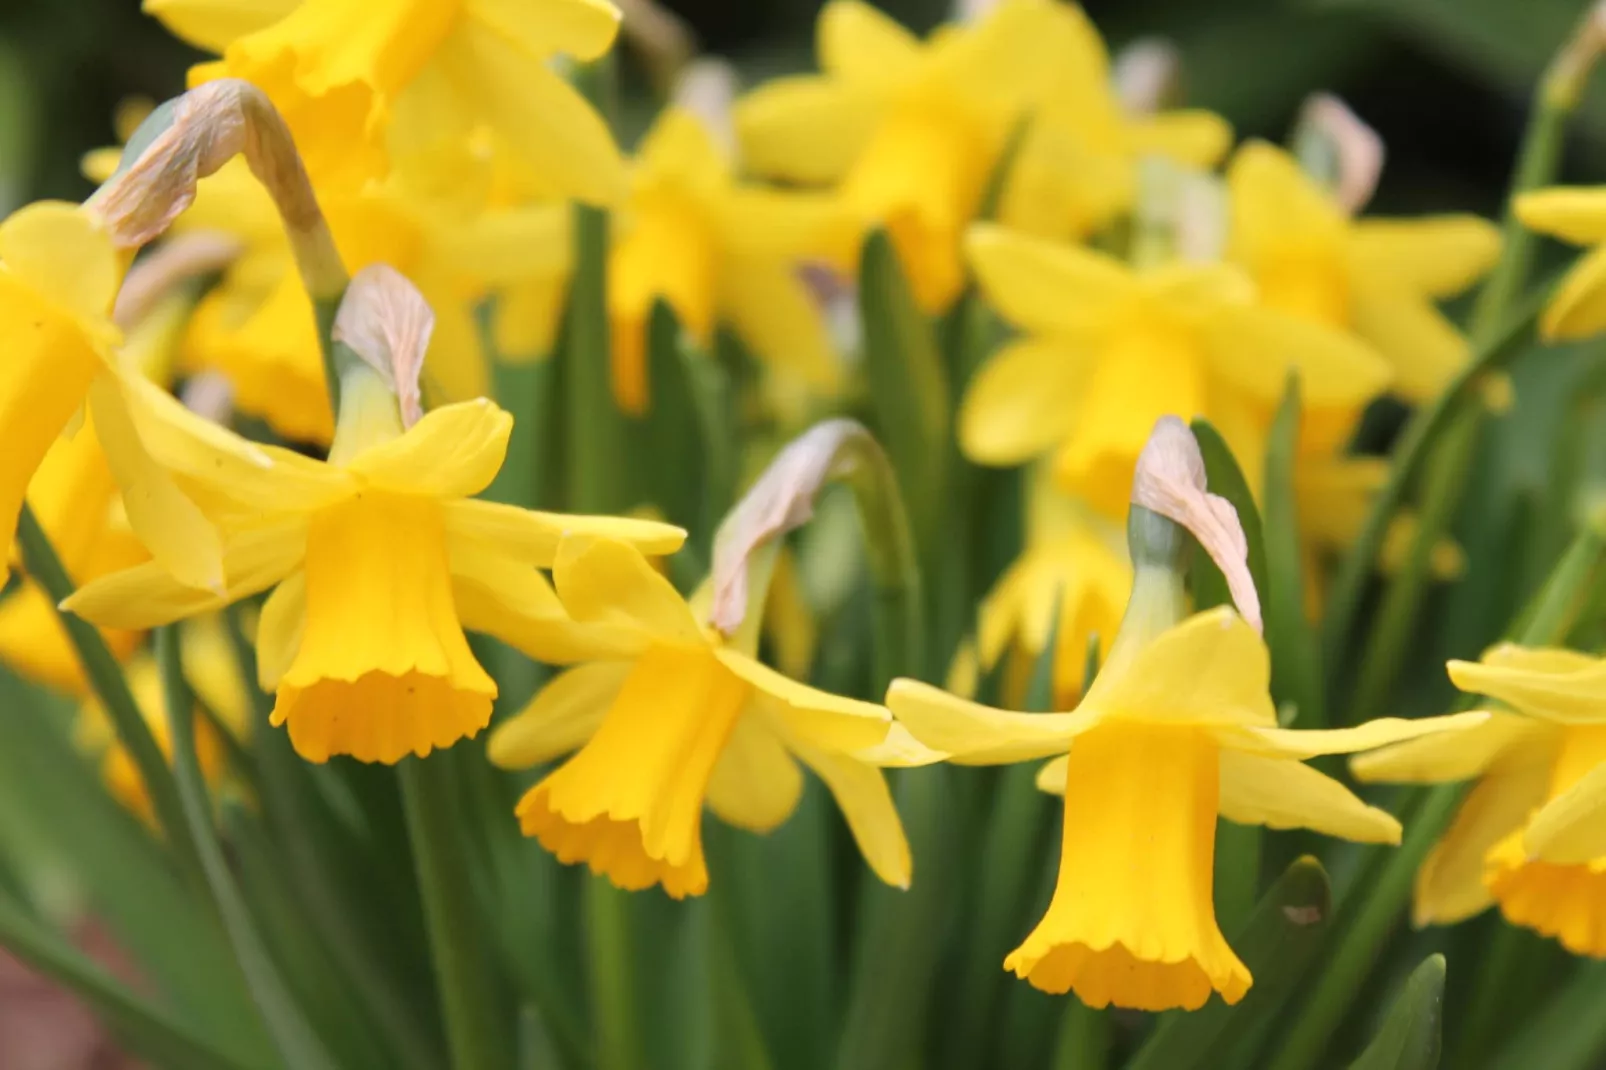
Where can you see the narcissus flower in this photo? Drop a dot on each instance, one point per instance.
(1576, 215)
(356, 81)
(1108, 350)
(379, 560)
(717, 251)
(909, 132)
(1531, 834)
(1377, 277)
(679, 719)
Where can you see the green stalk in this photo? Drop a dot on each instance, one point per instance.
(613, 998)
(107, 681)
(295, 1039)
(1296, 671)
(1084, 1040)
(474, 1033)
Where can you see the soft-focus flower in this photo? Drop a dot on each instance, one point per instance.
(717, 251)
(379, 560)
(1176, 729)
(359, 81)
(909, 132)
(1076, 168)
(679, 718)
(1376, 277)
(1109, 349)
(1576, 215)
(1528, 836)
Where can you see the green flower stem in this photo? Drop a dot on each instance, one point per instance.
(295, 1039)
(475, 1035)
(1364, 923)
(1084, 1038)
(899, 622)
(613, 999)
(107, 681)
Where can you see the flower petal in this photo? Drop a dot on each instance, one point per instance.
(861, 791)
(1433, 256)
(1578, 309)
(1255, 348)
(1274, 204)
(453, 452)
(1570, 829)
(1575, 214)
(211, 24)
(603, 581)
(1023, 400)
(805, 128)
(584, 29)
(1048, 286)
(531, 536)
(1424, 348)
(1549, 689)
(279, 627)
(64, 257)
(973, 734)
(813, 717)
(1192, 136)
(561, 717)
(1212, 669)
(1284, 794)
(1448, 756)
(1299, 743)
(1450, 885)
(756, 783)
(777, 318)
(857, 43)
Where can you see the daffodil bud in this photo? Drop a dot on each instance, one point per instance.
(1147, 75)
(1571, 68)
(1338, 149)
(184, 258)
(380, 335)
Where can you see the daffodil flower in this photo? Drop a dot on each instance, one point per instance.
(379, 560)
(1531, 834)
(716, 250)
(1576, 215)
(680, 718)
(908, 131)
(1176, 730)
(1109, 349)
(1377, 277)
(355, 79)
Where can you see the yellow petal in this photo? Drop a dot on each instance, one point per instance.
(505, 246)
(1434, 256)
(1448, 756)
(1212, 669)
(1194, 137)
(527, 318)
(279, 628)
(1275, 205)
(783, 325)
(147, 595)
(857, 43)
(973, 734)
(1450, 885)
(1575, 214)
(1538, 659)
(1284, 794)
(804, 129)
(1297, 743)
(680, 148)
(1425, 349)
(453, 452)
(584, 29)
(532, 536)
(561, 717)
(1578, 309)
(1570, 829)
(456, 367)
(211, 25)
(784, 225)
(861, 792)
(1023, 400)
(1554, 691)
(537, 113)
(1048, 286)
(808, 715)
(1254, 349)
(59, 252)
(756, 783)
(602, 581)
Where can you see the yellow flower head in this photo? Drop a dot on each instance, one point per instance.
(358, 79)
(677, 719)
(1576, 215)
(379, 560)
(1108, 350)
(1176, 729)
(1377, 277)
(1531, 835)
(908, 131)
(716, 250)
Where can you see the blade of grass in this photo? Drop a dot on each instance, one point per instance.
(1296, 673)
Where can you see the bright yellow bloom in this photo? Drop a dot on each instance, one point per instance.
(716, 250)
(1576, 215)
(379, 560)
(1376, 277)
(909, 132)
(1108, 350)
(1177, 729)
(213, 674)
(360, 80)
(1076, 168)
(680, 718)
(1529, 835)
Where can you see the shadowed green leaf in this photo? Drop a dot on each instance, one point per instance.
(1410, 1036)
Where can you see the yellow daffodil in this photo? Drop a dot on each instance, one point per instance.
(1528, 836)
(1109, 349)
(1376, 277)
(357, 80)
(717, 251)
(1177, 729)
(908, 131)
(680, 718)
(213, 674)
(1576, 215)
(1076, 168)
(379, 560)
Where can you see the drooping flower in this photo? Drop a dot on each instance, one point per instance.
(1528, 836)
(1109, 349)
(680, 718)
(717, 251)
(1576, 215)
(379, 560)
(909, 132)
(1377, 277)
(359, 82)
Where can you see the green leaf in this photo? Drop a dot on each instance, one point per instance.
(1278, 943)
(1084, 1040)
(1296, 674)
(1410, 1037)
(1568, 1033)
(1225, 478)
